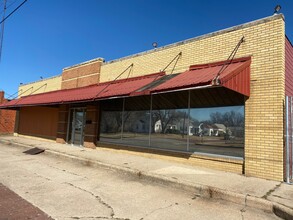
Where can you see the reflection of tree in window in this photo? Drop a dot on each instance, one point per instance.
(230, 119)
(111, 122)
(169, 119)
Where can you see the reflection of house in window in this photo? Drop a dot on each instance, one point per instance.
(158, 126)
(219, 129)
(216, 129)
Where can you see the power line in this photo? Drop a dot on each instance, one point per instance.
(8, 6)
(4, 18)
(13, 11)
(2, 29)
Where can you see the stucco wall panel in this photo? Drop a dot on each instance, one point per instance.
(38, 122)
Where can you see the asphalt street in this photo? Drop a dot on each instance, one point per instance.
(66, 190)
(12, 206)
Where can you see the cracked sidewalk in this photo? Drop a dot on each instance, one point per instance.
(248, 191)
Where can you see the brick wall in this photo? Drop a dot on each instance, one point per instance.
(265, 42)
(229, 165)
(7, 118)
(83, 74)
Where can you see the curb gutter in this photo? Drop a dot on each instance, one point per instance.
(199, 190)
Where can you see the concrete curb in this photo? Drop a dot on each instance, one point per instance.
(199, 190)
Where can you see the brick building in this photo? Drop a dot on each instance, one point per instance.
(185, 99)
(7, 117)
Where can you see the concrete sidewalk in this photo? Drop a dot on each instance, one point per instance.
(263, 194)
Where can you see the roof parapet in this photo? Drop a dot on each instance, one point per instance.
(99, 59)
(212, 34)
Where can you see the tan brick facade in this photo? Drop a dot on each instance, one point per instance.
(41, 86)
(265, 42)
(229, 165)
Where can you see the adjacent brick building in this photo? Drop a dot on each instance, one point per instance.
(186, 98)
(7, 117)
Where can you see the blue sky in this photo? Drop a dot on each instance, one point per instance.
(44, 36)
(203, 114)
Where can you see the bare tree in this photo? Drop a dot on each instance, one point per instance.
(231, 118)
(167, 117)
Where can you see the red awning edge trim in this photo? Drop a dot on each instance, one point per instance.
(219, 63)
(239, 79)
(235, 77)
(114, 89)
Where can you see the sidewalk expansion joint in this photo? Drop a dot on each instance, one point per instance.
(66, 171)
(244, 208)
(91, 217)
(43, 177)
(268, 193)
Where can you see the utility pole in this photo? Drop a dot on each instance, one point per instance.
(2, 27)
(3, 20)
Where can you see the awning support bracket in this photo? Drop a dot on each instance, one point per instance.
(175, 58)
(129, 67)
(216, 80)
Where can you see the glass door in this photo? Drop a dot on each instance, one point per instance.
(76, 126)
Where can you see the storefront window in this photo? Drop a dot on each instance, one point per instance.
(111, 124)
(136, 128)
(169, 129)
(166, 122)
(217, 131)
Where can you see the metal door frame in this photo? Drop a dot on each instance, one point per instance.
(289, 140)
(70, 125)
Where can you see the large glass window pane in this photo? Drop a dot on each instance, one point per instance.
(111, 124)
(129, 124)
(111, 120)
(169, 127)
(136, 121)
(136, 128)
(169, 124)
(217, 130)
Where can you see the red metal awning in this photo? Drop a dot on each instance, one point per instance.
(235, 76)
(105, 90)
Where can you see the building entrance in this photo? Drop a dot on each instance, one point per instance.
(75, 134)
